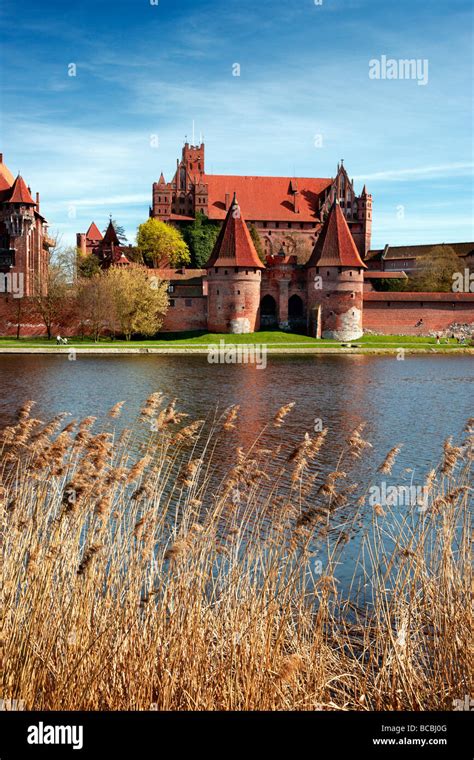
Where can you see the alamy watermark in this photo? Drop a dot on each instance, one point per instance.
(11, 705)
(227, 353)
(463, 282)
(399, 496)
(13, 283)
(463, 704)
(401, 68)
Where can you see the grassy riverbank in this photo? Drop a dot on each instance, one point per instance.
(149, 582)
(273, 340)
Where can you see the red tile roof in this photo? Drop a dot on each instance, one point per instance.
(4, 183)
(181, 218)
(266, 198)
(5, 172)
(335, 245)
(379, 274)
(121, 260)
(177, 275)
(93, 233)
(234, 247)
(20, 193)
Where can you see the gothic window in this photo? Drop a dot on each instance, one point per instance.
(182, 177)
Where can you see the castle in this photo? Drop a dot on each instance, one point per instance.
(318, 268)
(287, 212)
(24, 242)
(316, 277)
(314, 232)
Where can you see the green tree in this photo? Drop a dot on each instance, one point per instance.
(87, 266)
(52, 298)
(397, 284)
(160, 244)
(435, 270)
(200, 237)
(257, 242)
(140, 300)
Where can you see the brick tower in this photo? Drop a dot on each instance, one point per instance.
(234, 274)
(364, 213)
(23, 234)
(335, 282)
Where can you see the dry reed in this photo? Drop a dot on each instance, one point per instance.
(136, 574)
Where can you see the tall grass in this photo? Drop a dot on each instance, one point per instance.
(136, 576)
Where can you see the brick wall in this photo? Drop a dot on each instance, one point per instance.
(186, 314)
(399, 313)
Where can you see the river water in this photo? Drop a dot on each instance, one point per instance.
(417, 402)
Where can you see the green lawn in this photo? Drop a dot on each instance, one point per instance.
(273, 338)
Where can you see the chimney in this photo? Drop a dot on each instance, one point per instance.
(227, 201)
(1, 158)
(37, 202)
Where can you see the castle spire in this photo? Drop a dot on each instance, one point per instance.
(110, 234)
(234, 246)
(20, 193)
(335, 245)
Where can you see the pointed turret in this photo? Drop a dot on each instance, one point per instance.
(93, 233)
(234, 247)
(335, 282)
(110, 236)
(234, 278)
(162, 181)
(335, 245)
(20, 193)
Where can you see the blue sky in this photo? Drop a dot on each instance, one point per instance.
(144, 69)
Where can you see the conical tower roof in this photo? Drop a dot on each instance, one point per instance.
(20, 193)
(93, 233)
(110, 235)
(335, 245)
(234, 247)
